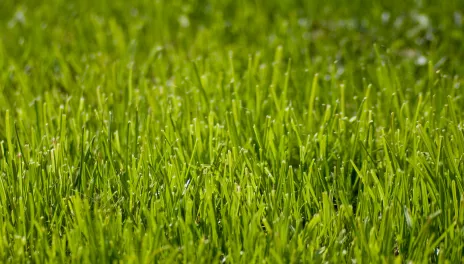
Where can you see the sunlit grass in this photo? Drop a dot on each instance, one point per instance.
(231, 131)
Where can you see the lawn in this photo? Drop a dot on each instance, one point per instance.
(231, 131)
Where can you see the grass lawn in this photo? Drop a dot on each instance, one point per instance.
(231, 131)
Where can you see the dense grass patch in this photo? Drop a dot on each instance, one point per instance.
(231, 131)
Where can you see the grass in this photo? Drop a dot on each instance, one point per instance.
(231, 131)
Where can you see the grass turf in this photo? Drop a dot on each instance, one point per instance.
(231, 131)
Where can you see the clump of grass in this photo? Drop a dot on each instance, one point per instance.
(266, 131)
